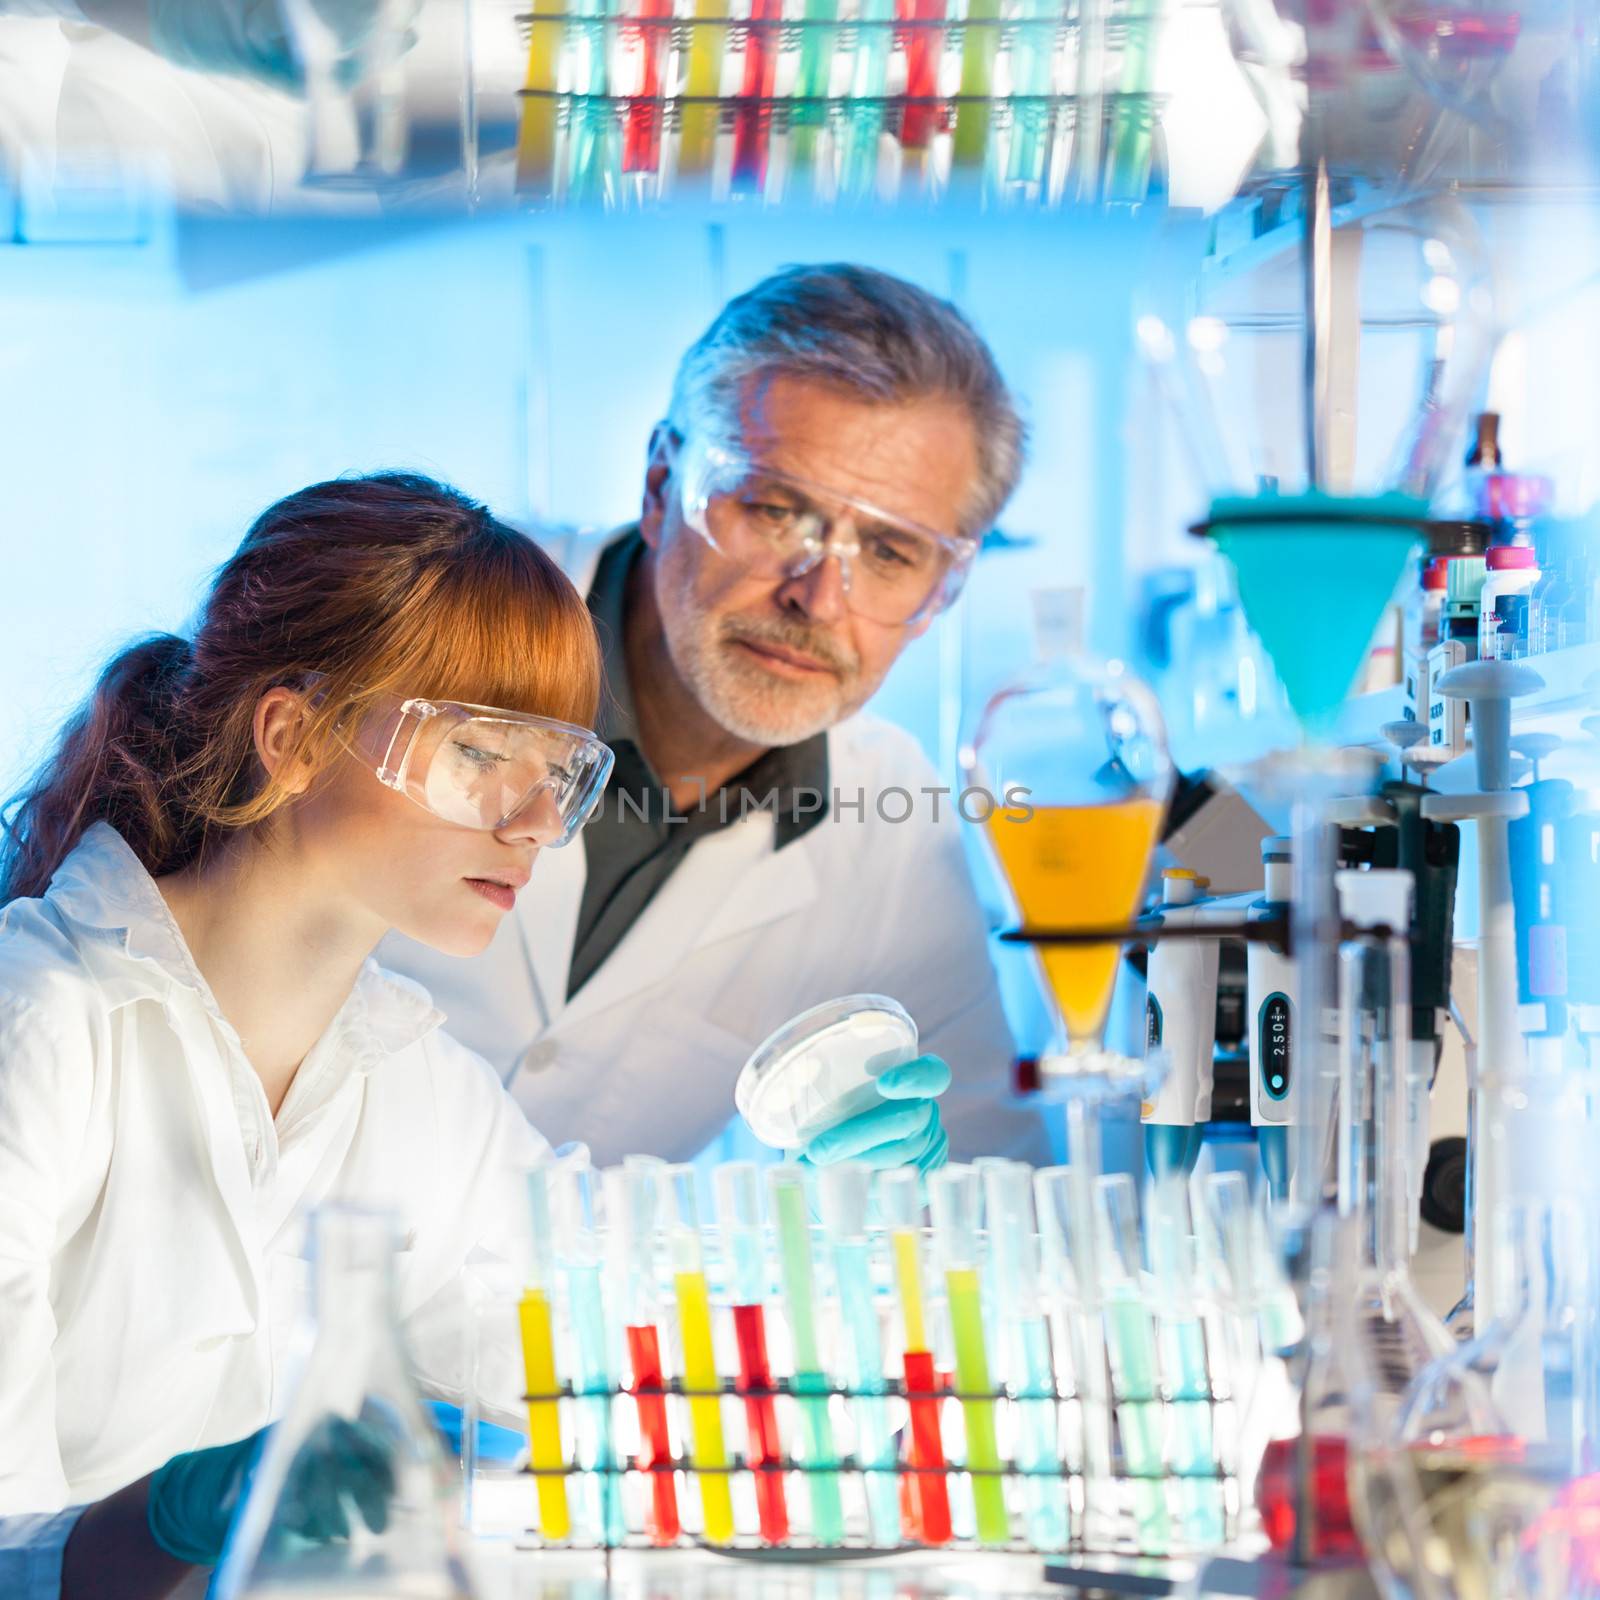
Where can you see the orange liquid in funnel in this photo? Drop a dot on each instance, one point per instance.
(1078, 867)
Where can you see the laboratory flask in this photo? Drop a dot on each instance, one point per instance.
(1482, 1487)
(352, 1496)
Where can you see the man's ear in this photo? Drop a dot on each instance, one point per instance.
(279, 718)
(664, 443)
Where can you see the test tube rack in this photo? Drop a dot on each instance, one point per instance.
(1150, 1455)
(1038, 103)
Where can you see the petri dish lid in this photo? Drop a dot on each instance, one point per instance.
(820, 1068)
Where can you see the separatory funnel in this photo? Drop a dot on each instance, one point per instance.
(1073, 760)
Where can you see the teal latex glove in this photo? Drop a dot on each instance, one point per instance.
(496, 1444)
(904, 1131)
(193, 1498)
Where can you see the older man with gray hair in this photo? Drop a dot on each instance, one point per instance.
(837, 443)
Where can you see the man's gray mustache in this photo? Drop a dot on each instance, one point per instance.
(799, 639)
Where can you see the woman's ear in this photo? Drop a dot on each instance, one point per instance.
(279, 720)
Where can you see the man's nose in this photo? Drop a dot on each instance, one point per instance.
(819, 592)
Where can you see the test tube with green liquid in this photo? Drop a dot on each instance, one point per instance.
(1182, 1336)
(813, 81)
(844, 1192)
(1023, 1349)
(536, 1317)
(701, 1381)
(979, 43)
(1131, 1347)
(1065, 1205)
(793, 1219)
(954, 1200)
(574, 1194)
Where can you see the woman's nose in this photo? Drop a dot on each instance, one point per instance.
(537, 821)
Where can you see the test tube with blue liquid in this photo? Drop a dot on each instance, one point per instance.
(573, 1204)
(1067, 1248)
(1023, 1350)
(1170, 1246)
(844, 1193)
(1134, 1360)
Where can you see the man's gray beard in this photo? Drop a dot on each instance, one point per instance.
(733, 701)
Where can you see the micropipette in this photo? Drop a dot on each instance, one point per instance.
(810, 1379)
(681, 1224)
(738, 1188)
(899, 1194)
(631, 1210)
(1274, 1022)
(546, 1454)
(1131, 1348)
(843, 1191)
(1023, 1349)
(1180, 1027)
(953, 1200)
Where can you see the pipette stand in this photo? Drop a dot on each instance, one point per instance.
(1488, 687)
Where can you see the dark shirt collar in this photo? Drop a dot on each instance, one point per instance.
(789, 770)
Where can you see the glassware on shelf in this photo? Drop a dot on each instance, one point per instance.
(355, 1455)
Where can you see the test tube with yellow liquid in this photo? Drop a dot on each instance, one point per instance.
(1071, 766)
(535, 1317)
(701, 1381)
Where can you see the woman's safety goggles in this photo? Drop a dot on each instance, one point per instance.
(775, 525)
(487, 769)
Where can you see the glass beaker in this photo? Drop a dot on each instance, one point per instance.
(352, 1496)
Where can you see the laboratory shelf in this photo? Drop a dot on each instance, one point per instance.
(1571, 692)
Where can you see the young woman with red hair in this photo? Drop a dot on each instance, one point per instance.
(379, 722)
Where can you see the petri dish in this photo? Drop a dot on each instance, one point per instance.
(822, 1068)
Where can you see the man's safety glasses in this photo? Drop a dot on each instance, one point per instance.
(486, 769)
(776, 525)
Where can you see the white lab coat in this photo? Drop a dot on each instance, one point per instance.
(151, 1254)
(740, 939)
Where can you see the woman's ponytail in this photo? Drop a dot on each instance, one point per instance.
(114, 763)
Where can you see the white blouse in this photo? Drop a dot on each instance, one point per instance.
(151, 1248)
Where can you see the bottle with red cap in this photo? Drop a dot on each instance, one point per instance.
(1505, 627)
(1425, 607)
